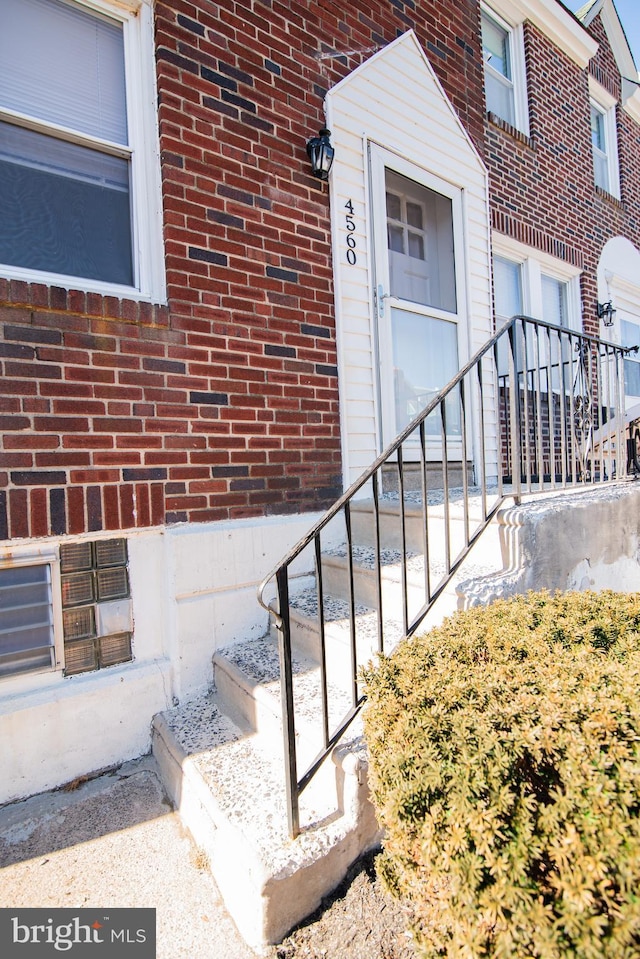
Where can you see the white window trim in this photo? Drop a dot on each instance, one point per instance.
(534, 264)
(606, 104)
(40, 556)
(515, 31)
(136, 17)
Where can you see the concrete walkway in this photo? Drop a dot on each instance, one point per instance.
(115, 842)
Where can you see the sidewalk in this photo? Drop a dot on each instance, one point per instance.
(116, 842)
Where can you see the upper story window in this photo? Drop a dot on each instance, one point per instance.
(78, 160)
(507, 282)
(504, 72)
(604, 141)
(554, 300)
(602, 145)
(529, 282)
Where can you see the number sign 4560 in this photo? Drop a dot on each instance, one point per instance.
(351, 240)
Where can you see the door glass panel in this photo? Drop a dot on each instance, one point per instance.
(420, 243)
(630, 336)
(425, 358)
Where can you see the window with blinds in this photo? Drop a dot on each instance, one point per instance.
(26, 619)
(79, 171)
(64, 166)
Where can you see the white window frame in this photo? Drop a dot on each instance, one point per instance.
(534, 265)
(43, 556)
(503, 16)
(605, 104)
(136, 17)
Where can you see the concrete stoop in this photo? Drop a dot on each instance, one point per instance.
(222, 759)
(228, 785)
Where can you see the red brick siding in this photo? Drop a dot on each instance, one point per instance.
(225, 404)
(115, 414)
(542, 189)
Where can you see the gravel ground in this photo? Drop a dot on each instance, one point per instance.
(359, 920)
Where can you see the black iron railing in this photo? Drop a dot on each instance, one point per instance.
(538, 407)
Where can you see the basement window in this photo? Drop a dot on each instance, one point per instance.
(27, 617)
(96, 605)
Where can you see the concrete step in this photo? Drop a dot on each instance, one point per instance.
(228, 789)
(416, 516)
(305, 630)
(485, 558)
(247, 682)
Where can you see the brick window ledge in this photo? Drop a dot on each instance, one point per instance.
(21, 293)
(609, 197)
(518, 135)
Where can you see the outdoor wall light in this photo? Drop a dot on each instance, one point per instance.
(320, 152)
(606, 313)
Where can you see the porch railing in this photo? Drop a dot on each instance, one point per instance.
(539, 407)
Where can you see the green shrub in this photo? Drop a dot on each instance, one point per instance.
(505, 769)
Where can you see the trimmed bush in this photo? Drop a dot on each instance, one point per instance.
(505, 769)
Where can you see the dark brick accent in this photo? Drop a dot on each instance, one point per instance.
(169, 56)
(208, 256)
(137, 475)
(220, 472)
(326, 370)
(239, 75)
(29, 334)
(276, 273)
(226, 219)
(213, 399)
(58, 512)
(163, 366)
(240, 195)
(4, 523)
(39, 478)
(94, 509)
(238, 101)
(216, 78)
(190, 25)
(311, 330)
(271, 350)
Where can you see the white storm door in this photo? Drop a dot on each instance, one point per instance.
(417, 231)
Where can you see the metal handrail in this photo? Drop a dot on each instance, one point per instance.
(537, 413)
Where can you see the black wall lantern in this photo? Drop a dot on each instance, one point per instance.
(606, 313)
(320, 152)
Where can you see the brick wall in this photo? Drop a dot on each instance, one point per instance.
(570, 218)
(224, 404)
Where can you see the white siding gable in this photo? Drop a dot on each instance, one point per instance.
(394, 100)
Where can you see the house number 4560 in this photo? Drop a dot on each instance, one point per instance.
(351, 240)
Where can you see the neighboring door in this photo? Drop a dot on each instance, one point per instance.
(630, 336)
(418, 294)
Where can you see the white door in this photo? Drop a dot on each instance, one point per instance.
(418, 294)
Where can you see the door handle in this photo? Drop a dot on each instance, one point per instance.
(381, 296)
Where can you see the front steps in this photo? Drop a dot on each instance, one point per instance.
(222, 756)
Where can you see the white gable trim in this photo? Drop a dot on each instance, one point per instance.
(405, 39)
